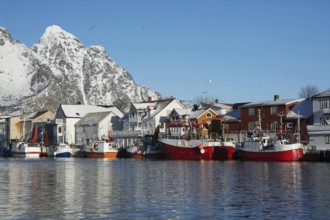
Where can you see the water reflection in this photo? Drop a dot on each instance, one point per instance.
(76, 188)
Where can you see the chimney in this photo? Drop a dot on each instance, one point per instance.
(149, 99)
(276, 98)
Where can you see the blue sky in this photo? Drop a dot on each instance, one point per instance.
(250, 49)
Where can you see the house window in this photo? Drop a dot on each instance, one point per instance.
(273, 110)
(273, 126)
(209, 115)
(251, 126)
(324, 104)
(327, 139)
(251, 111)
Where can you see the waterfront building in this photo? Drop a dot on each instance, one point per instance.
(290, 114)
(143, 119)
(319, 131)
(97, 126)
(67, 116)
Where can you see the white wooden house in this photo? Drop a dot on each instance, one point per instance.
(67, 116)
(159, 114)
(143, 118)
(136, 113)
(319, 132)
(96, 126)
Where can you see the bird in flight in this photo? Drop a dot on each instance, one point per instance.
(92, 27)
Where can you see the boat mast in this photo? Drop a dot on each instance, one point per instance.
(23, 133)
(298, 127)
(281, 121)
(259, 120)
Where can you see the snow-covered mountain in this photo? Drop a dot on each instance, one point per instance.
(60, 70)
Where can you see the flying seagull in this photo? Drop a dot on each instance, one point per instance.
(92, 27)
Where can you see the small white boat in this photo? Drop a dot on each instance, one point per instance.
(62, 150)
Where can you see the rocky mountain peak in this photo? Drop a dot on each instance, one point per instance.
(60, 70)
(55, 34)
(6, 36)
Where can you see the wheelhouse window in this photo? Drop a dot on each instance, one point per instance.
(273, 110)
(251, 111)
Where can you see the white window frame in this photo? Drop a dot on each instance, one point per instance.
(251, 111)
(273, 110)
(325, 104)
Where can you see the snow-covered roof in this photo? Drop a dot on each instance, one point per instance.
(233, 115)
(215, 106)
(93, 117)
(143, 105)
(222, 106)
(303, 109)
(195, 114)
(270, 103)
(31, 116)
(160, 106)
(182, 111)
(325, 93)
(199, 112)
(5, 116)
(78, 111)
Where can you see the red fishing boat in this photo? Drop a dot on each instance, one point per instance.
(258, 146)
(181, 143)
(180, 149)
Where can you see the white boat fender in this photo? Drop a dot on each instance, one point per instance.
(202, 151)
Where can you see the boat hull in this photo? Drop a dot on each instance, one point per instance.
(63, 154)
(101, 154)
(26, 154)
(62, 150)
(26, 151)
(285, 155)
(141, 156)
(192, 150)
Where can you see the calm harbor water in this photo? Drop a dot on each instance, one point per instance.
(81, 188)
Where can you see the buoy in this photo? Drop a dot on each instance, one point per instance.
(202, 151)
(201, 146)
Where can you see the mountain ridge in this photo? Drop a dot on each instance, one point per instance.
(60, 70)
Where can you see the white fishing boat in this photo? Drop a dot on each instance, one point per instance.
(27, 149)
(62, 150)
(23, 149)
